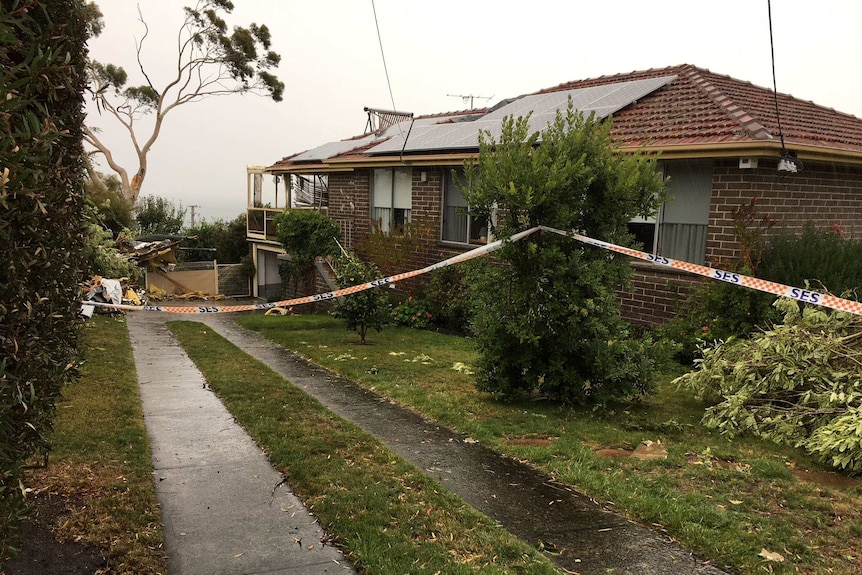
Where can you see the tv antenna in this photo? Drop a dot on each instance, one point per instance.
(468, 98)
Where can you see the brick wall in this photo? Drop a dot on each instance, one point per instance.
(822, 193)
(656, 293)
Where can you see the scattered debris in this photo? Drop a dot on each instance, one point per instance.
(771, 556)
(462, 368)
(280, 311)
(650, 450)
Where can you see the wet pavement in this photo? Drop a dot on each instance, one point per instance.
(223, 508)
(585, 538)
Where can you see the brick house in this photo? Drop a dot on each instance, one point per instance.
(718, 138)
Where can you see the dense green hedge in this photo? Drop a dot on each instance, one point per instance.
(42, 59)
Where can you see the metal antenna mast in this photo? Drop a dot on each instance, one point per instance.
(469, 98)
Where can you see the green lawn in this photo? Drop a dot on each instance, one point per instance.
(100, 459)
(386, 515)
(725, 499)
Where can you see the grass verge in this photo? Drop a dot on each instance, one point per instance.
(100, 463)
(726, 499)
(386, 515)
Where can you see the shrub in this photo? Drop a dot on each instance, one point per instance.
(227, 237)
(797, 384)
(412, 312)
(365, 309)
(717, 311)
(449, 296)
(42, 229)
(822, 257)
(305, 235)
(547, 318)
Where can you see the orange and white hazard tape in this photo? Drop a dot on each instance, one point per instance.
(475, 253)
(799, 294)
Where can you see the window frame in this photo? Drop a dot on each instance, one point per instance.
(470, 219)
(394, 222)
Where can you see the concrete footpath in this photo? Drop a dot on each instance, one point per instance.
(225, 509)
(583, 537)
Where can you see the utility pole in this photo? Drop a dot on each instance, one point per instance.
(192, 208)
(469, 98)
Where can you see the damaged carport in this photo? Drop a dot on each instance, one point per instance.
(157, 254)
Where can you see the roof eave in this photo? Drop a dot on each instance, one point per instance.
(754, 149)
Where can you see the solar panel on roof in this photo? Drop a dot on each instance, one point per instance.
(600, 100)
(332, 149)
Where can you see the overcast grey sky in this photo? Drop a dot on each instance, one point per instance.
(332, 67)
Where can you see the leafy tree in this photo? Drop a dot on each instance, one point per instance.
(211, 61)
(42, 227)
(365, 309)
(547, 317)
(228, 239)
(158, 215)
(305, 235)
(797, 383)
(102, 256)
(109, 208)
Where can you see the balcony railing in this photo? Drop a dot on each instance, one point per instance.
(261, 222)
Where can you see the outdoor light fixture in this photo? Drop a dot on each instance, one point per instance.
(789, 163)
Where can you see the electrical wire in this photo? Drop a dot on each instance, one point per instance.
(385, 68)
(774, 83)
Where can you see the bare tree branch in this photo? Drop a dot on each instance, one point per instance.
(211, 61)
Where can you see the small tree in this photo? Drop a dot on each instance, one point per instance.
(109, 207)
(547, 318)
(211, 61)
(305, 235)
(365, 309)
(158, 215)
(227, 237)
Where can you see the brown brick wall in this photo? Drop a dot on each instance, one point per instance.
(655, 294)
(823, 194)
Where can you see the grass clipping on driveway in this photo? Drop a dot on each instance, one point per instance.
(385, 514)
(738, 502)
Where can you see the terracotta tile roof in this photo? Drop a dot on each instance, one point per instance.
(701, 107)
(698, 108)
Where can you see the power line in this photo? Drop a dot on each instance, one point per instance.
(385, 68)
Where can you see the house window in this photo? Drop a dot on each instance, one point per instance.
(459, 224)
(392, 198)
(680, 227)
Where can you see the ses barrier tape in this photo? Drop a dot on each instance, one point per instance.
(799, 294)
(475, 253)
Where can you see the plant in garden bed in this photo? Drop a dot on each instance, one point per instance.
(799, 383)
(718, 310)
(823, 257)
(412, 312)
(548, 318)
(365, 309)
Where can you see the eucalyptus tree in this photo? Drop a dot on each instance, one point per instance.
(211, 60)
